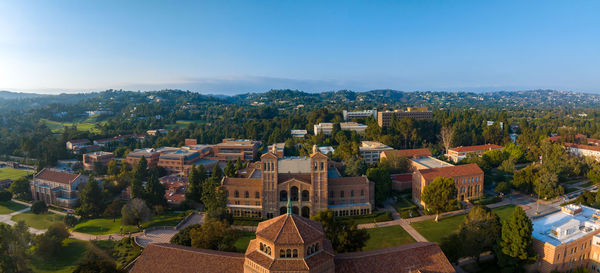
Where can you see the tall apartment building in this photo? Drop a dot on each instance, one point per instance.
(327, 128)
(467, 178)
(459, 153)
(567, 240)
(310, 183)
(371, 150)
(90, 159)
(384, 118)
(359, 114)
(232, 149)
(56, 187)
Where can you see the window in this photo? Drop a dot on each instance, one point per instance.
(226, 193)
(247, 194)
(281, 253)
(288, 253)
(362, 192)
(262, 247)
(237, 194)
(341, 194)
(283, 195)
(352, 193)
(257, 195)
(331, 194)
(295, 253)
(305, 195)
(322, 166)
(294, 193)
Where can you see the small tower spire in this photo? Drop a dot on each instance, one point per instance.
(289, 206)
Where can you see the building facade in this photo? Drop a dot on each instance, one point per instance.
(326, 127)
(459, 153)
(359, 114)
(371, 150)
(152, 155)
(309, 183)
(384, 118)
(467, 178)
(56, 187)
(232, 149)
(175, 161)
(583, 150)
(90, 159)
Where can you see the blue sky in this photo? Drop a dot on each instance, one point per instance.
(230, 47)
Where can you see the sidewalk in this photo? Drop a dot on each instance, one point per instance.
(29, 205)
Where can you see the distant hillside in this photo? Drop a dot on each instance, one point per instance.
(8, 95)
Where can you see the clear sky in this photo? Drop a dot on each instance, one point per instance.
(230, 47)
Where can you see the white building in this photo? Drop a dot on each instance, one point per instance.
(326, 149)
(583, 150)
(326, 128)
(370, 151)
(298, 133)
(359, 114)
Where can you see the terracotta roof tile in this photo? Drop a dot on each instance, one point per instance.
(476, 148)
(289, 229)
(283, 177)
(410, 153)
(237, 181)
(159, 258)
(451, 171)
(417, 257)
(56, 176)
(348, 180)
(583, 147)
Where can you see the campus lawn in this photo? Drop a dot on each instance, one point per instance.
(38, 221)
(376, 217)
(405, 207)
(12, 174)
(103, 226)
(10, 207)
(181, 124)
(244, 239)
(387, 237)
(87, 125)
(65, 261)
(434, 232)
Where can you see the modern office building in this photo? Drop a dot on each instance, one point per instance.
(384, 118)
(57, 188)
(178, 161)
(326, 127)
(152, 155)
(298, 133)
(91, 159)
(348, 115)
(459, 153)
(371, 150)
(232, 149)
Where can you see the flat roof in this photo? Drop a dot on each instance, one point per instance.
(584, 222)
(431, 162)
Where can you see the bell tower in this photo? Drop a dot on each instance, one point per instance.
(318, 171)
(269, 183)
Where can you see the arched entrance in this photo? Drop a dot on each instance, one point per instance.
(295, 210)
(282, 210)
(305, 212)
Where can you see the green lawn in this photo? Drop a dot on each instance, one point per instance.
(434, 232)
(242, 242)
(13, 174)
(380, 216)
(181, 124)
(66, 261)
(86, 125)
(405, 207)
(387, 237)
(102, 226)
(123, 252)
(38, 221)
(9, 207)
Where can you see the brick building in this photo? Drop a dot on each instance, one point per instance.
(176, 160)
(467, 178)
(292, 244)
(459, 153)
(232, 149)
(56, 187)
(384, 118)
(152, 155)
(312, 184)
(90, 159)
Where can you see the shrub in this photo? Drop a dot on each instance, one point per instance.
(5, 196)
(39, 207)
(70, 220)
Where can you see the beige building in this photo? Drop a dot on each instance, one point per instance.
(568, 239)
(232, 149)
(583, 150)
(56, 187)
(384, 118)
(371, 150)
(467, 178)
(326, 127)
(90, 159)
(459, 153)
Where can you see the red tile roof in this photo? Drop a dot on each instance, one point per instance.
(451, 171)
(476, 148)
(356, 180)
(82, 140)
(284, 177)
(56, 176)
(583, 147)
(290, 229)
(159, 258)
(417, 257)
(410, 153)
(403, 177)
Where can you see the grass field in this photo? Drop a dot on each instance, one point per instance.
(13, 174)
(65, 262)
(181, 124)
(86, 125)
(376, 217)
(434, 232)
(387, 237)
(102, 226)
(38, 221)
(242, 242)
(123, 251)
(10, 207)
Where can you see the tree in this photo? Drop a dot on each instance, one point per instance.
(452, 246)
(50, 243)
(514, 151)
(113, 210)
(230, 169)
(141, 170)
(524, 180)
(396, 164)
(135, 212)
(507, 165)
(155, 193)
(14, 245)
(383, 183)
(240, 165)
(39, 207)
(20, 189)
(217, 172)
(99, 168)
(447, 136)
(516, 245)
(92, 202)
(480, 231)
(503, 187)
(98, 266)
(183, 236)
(547, 185)
(354, 167)
(195, 180)
(5, 196)
(214, 234)
(137, 188)
(440, 195)
(214, 199)
(112, 168)
(344, 236)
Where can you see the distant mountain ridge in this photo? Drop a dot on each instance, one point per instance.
(9, 95)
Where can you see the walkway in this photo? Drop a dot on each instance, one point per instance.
(6, 219)
(164, 235)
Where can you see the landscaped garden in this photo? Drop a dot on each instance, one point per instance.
(434, 232)
(38, 221)
(7, 207)
(65, 261)
(12, 174)
(387, 237)
(103, 226)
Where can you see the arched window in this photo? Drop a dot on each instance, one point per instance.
(281, 253)
(262, 247)
(362, 192)
(257, 195)
(294, 193)
(341, 194)
(288, 253)
(283, 195)
(317, 247)
(237, 194)
(322, 166)
(247, 194)
(352, 193)
(295, 253)
(305, 195)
